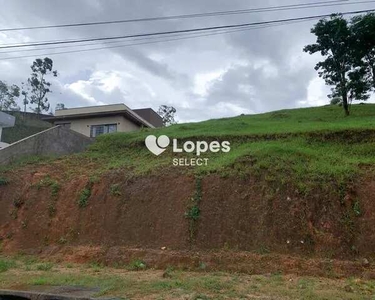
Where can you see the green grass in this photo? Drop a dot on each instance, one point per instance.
(137, 265)
(306, 148)
(150, 284)
(279, 122)
(29, 271)
(7, 264)
(44, 266)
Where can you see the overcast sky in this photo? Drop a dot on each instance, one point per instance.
(245, 72)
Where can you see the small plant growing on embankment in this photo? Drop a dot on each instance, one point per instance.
(193, 213)
(137, 265)
(3, 181)
(84, 197)
(115, 190)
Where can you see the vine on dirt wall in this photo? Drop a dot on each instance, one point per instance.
(193, 212)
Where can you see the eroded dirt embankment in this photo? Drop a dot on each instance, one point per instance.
(42, 211)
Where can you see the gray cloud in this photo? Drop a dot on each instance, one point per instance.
(209, 77)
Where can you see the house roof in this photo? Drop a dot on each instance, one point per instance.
(150, 115)
(98, 111)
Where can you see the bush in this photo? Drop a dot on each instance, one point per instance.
(137, 265)
(84, 197)
(115, 190)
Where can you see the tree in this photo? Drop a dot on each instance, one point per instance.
(8, 94)
(336, 101)
(335, 43)
(25, 89)
(363, 29)
(167, 114)
(60, 106)
(39, 86)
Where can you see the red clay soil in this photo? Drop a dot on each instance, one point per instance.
(238, 219)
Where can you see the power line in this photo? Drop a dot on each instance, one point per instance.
(193, 34)
(202, 29)
(178, 16)
(200, 15)
(306, 5)
(149, 42)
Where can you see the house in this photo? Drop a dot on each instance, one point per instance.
(93, 121)
(5, 122)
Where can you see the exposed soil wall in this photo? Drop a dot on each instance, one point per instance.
(150, 212)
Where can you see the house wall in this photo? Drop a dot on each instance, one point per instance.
(83, 125)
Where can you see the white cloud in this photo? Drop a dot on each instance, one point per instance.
(316, 93)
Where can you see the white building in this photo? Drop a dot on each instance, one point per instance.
(93, 121)
(5, 122)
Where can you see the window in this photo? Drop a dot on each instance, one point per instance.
(97, 130)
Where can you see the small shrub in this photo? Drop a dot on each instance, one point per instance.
(55, 188)
(137, 265)
(115, 190)
(84, 197)
(3, 181)
(193, 213)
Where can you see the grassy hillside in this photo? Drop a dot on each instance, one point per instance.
(279, 122)
(25, 126)
(306, 148)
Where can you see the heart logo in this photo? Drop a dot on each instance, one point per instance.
(157, 145)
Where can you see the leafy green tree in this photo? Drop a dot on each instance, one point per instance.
(8, 95)
(336, 101)
(39, 86)
(60, 106)
(334, 42)
(363, 30)
(167, 114)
